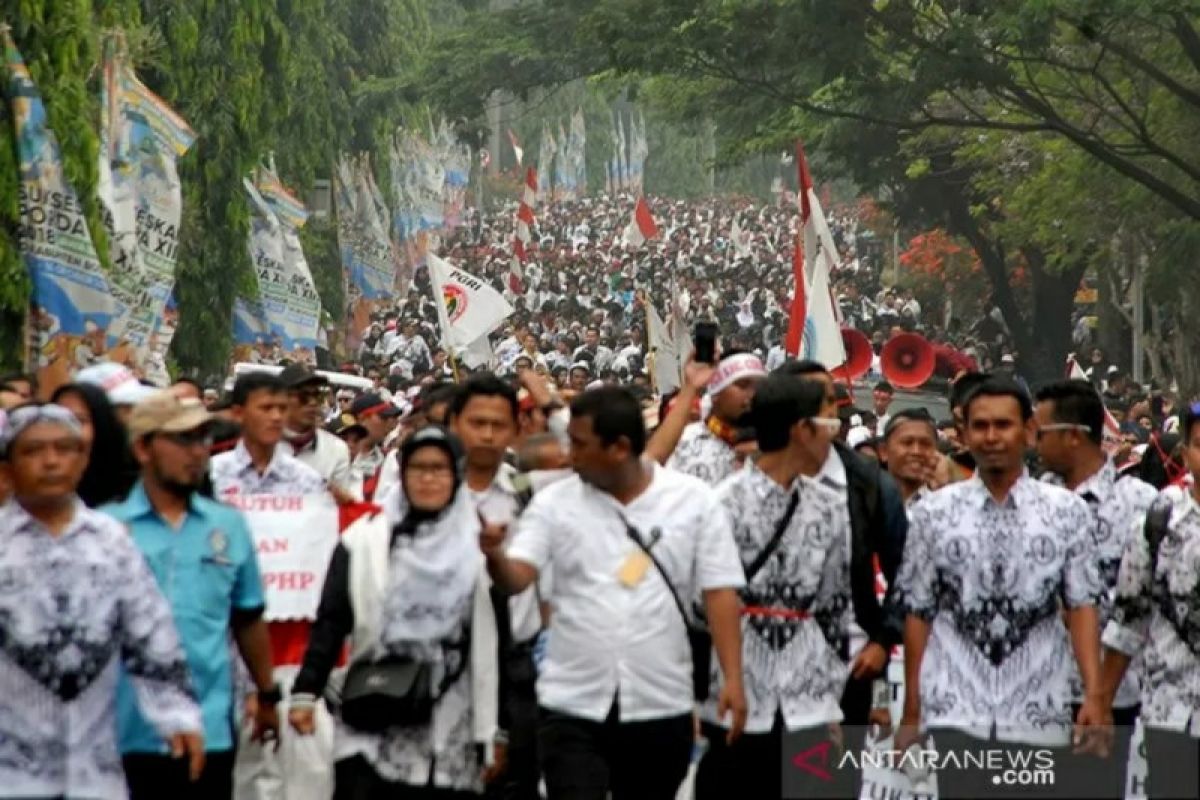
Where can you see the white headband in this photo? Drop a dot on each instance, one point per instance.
(733, 369)
(23, 417)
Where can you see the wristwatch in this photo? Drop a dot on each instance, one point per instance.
(270, 697)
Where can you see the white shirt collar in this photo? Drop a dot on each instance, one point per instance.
(833, 471)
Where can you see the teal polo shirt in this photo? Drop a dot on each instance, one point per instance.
(207, 569)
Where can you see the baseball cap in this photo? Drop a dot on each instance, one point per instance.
(371, 403)
(344, 424)
(122, 386)
(294, 376)
(163, 412)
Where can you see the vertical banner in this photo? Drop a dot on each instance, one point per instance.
(579, 142)
(300, 326)
(289, 301)
(71, 305)
(140, 140)
(369, 257)
(564, 166)
(545, 166)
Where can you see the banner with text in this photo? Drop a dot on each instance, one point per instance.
(139, 188)
(71, 305)
(294, 537)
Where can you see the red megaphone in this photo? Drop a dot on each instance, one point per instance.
(859, 355)
(907, 360)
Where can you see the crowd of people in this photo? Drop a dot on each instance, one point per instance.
(542, 578)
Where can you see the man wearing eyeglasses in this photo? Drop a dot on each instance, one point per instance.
(202, 558)
(878, 528)
(1070, 418)
(311, 445)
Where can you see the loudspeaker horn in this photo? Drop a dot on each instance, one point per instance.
(859, 355)
(907, 360)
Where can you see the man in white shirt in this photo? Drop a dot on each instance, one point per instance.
(302, 433)
(881, 397)
(483, 413)
(1154, 622)
(991, 565)
(1070, 417)
(793, 536)
(616, 687)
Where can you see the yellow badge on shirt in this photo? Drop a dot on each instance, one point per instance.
(633, 569)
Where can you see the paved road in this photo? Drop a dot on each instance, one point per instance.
(935, 403)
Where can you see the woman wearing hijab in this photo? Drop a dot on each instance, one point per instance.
(111, 469)
(409, 584)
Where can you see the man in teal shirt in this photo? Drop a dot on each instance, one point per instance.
(202, 555)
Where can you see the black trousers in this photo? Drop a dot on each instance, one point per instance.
(521, 776)
(586, 760)
(856, 701)
(152, 776)
(964, 780)
(1173, 761)
(355, 779)
(754, 766)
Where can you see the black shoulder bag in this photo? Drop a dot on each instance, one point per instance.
(1157, 526)
(761, 559)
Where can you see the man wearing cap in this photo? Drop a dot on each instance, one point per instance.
(378, 417)
(202, 557)
(319, 449)
(76, 601)
(706, 449)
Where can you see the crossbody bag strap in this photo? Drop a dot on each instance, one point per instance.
(633, 534)
(761, 559)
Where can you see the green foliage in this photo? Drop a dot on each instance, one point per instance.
(305, 79)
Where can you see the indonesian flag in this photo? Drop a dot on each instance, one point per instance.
(799, 310)
(1112, 429)
(642, 228)
(517, 149)
(814, 326)
(523, 235)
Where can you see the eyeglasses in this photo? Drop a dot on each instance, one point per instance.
(1062, 426)
(199, 436)
(831, 424)
(306, 396)
(442, 471)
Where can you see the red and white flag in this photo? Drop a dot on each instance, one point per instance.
(642, 228)
(814, 329)
(799, 310)
(524, 232)
(517, 149)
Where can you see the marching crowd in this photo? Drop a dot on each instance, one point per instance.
(542, 578)
(532, 592)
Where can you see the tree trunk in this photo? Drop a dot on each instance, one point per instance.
(1050, 334)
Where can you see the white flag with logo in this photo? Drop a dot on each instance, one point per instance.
(467, 306)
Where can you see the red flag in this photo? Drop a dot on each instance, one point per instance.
(523, 235)
(799, 310)
(643, 227)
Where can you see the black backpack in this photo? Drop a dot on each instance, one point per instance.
(1187, 625)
